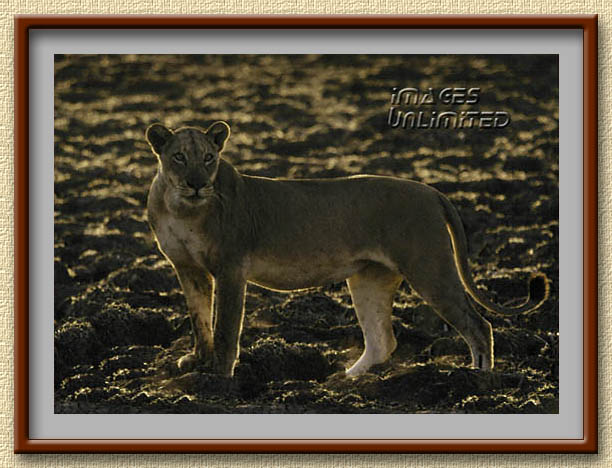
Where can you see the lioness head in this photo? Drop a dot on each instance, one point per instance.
(189, 159)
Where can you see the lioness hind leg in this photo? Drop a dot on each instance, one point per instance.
(372, 291)
(453, 307)
(434, 277)
(473, 328)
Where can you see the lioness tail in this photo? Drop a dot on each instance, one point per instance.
(538, 283)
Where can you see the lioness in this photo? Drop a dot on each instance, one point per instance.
(221, 229)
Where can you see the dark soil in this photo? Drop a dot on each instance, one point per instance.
(120, 317)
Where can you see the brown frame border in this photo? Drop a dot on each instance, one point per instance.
(22, 442)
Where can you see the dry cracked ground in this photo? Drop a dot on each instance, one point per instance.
(120, 318)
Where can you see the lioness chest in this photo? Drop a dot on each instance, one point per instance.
(181, 242)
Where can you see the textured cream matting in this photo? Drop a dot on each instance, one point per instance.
(12, 7)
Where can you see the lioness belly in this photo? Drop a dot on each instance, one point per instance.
(285, 275)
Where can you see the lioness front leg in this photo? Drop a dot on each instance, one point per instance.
(197, 287)
(229, 305)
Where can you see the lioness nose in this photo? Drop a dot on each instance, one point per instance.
(195, 184)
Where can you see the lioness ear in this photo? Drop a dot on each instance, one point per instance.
(219, 132)
(157, 136)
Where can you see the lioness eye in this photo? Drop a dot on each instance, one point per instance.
(208, 157)
(179, 158)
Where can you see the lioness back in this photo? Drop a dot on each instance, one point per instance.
(352, 212)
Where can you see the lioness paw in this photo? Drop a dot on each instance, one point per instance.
(188, 362)
(357, 369)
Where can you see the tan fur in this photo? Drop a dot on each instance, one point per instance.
(221, 229)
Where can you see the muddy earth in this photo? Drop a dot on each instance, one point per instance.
(120, 318)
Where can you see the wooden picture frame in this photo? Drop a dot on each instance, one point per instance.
(24, 25)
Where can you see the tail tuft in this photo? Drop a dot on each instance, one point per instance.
(538, 288)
